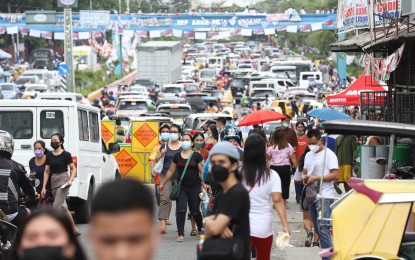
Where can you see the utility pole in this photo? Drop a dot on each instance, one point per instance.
(15, 50)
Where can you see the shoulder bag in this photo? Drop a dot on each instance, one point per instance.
(175, 191)
(158, 168)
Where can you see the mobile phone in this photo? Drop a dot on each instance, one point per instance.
(64, 186)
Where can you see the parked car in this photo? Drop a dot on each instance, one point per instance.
(179, 112)
(195, 122)
(10, 91)
(134, 106)
(172, 90)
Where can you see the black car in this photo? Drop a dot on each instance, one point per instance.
(237, 87)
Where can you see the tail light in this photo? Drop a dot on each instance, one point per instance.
(75, 161)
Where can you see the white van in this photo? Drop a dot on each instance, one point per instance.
(318, 78)
(61, 96)
(215, 62)
(31, 120)
(42, 74)
(279, 85)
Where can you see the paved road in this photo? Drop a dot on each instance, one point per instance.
(170, 249)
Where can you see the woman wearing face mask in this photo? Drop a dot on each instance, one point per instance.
(168, 151)
(57, 163)
(302, 145)
(198, 145)
(37, 167)
(46, 234)
(164, 131)
(280, 153)
(190, 186)
(213, 137)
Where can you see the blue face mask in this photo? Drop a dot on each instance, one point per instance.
(286, 125)
(186, 145)
(165, 136)
(174, 137)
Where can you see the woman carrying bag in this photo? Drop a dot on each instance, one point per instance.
(189, 178)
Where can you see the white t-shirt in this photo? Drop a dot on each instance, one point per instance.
(314, 164)
(260, 213)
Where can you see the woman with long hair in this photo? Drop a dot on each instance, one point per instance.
(37, 167)
(199, 145)
(168, 150)
(57, 163)
(281, 154)
(213, 137)
(264, 186)
(47, 234)
(191, 184)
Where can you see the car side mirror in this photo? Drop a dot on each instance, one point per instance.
(113, 147)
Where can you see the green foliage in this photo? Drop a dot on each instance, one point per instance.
(88, 81)
(279, 6)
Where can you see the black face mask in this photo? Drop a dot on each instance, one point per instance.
(46, 252)
(220, 173)
(54, 145)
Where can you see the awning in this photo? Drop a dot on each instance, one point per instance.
(351, 95)
(4, 55)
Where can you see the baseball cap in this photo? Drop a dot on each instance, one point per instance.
(225, 148)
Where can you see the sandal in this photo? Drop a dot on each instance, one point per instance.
(168, 222)
(77, 233)
(193, 233)
(180, 239)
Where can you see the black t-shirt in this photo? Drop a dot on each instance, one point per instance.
(39, 175)
(58, 163)
(235, 204)
(191, 178)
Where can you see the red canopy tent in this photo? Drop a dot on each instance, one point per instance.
(351, 95)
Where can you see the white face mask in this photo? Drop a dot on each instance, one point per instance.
(313, 147)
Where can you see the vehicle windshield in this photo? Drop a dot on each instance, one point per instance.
(269, 128)
(174, 90)
(208, 74)
(40, 76)
(262, 93)
(245, 66)
(22, 81)
(176, 112)
(189, 89)
(133, 105)
(138, 89)
(6, 87)
(35, 88)
(262, 85)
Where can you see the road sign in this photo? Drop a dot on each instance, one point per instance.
(63, 69)
(125, 162)
(145, 136)
(107, 131)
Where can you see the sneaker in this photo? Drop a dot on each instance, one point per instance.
(309, 239)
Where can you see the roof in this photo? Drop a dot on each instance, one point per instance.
(363, 41)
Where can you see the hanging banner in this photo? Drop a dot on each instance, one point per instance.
(354, 14)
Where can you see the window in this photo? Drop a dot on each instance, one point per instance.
(17, 123)
(93, 124)
(51, 122)
(83, 125)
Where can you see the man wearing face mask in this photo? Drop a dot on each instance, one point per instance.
(315, 169)
(231, 218)
(163, 138)
(220, 125)
(13, 178)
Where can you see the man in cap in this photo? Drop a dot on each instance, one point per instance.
(233, 204)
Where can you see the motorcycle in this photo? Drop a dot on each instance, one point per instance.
(8, 233)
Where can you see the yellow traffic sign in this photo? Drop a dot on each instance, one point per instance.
(144, 137)
(107, 131)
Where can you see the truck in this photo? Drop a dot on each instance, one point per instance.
(159, 61)
(42, 59)
(84, 58)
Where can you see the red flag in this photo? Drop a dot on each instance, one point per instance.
(143, 34)
(328, 23)
(168, 32)
(2, 30)
(97, 34)
(258, 31)
(281, 28)
(47, 35)
(190, 35)
(24, 31)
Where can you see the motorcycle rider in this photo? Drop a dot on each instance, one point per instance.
(12, 178)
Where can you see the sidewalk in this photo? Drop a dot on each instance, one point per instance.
(295, 221)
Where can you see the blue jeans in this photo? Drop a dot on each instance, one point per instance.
(322, 227)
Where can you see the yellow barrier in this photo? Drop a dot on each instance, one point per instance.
(133, 165)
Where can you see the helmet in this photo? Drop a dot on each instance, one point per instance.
(6, 142)
(231, 132)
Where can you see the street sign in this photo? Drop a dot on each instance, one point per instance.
(125, 162)
(145, 136)
(63, 69)
(107, 131)
(93, 17)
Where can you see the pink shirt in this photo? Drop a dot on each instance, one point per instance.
(280, 157)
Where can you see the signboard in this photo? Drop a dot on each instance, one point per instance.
(107, 131)
(133, 165)
(40, 17)
(67, 3)
(354, 14)
(93, 18)
(63, 69)
(145, 136)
